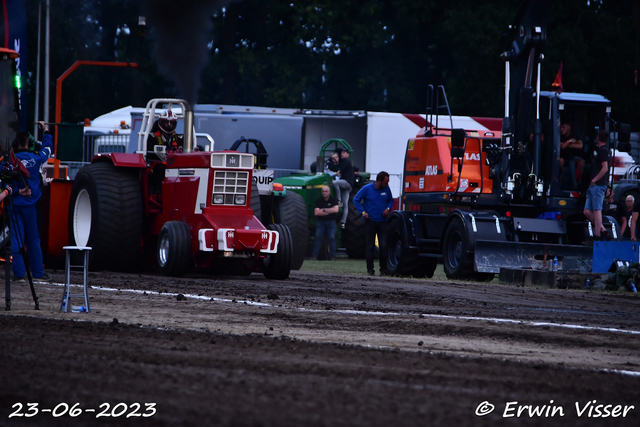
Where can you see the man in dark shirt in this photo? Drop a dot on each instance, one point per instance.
(570, 148)
(333, 163)
(626, 214)
(598, 186)
(326, 213)
(632, 219)
(343, 185)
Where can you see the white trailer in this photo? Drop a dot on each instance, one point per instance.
(293, 137)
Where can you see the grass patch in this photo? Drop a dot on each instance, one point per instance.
(339, 266)
(346, 265)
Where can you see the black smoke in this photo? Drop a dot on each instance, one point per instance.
(181, 30)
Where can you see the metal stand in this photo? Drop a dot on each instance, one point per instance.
(25, 257)
(6, 234)
(6, 242)
(66, 295)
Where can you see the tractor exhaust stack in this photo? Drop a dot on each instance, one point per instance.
(188, 139)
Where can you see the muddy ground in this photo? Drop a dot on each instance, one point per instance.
(318, 350)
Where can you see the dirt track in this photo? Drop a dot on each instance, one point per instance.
(320, 349)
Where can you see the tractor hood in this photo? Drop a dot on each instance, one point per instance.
(303, 181)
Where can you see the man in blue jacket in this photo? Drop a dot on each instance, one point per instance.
(374, 202)
(24, 219)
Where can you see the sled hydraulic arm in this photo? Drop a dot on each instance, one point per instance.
(523, 55)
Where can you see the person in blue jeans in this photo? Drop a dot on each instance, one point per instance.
(326, 212)
(24, 218)
(598, 185)
(346, 180)
(374, 202)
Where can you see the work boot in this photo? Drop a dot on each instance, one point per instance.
(44, 278)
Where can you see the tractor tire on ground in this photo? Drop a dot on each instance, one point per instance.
(458, 264)
(105, 213)
(254, 201)
(278, 266)
(403, 261)
(174, 248)
(354, 237)
(291, 211)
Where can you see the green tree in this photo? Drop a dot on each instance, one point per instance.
(377, 55)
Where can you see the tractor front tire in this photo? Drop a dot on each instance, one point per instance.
(455, 258)
(404, 261)
(278, 266)
(401, 261)
(105, 213)
(354, 236)
(174, 248)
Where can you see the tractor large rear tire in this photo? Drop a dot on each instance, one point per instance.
(174, 248)
(291, 211)
(254, 201)
(278, 266)
(105, 213)
(354, 236)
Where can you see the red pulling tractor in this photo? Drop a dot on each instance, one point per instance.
(192, 207)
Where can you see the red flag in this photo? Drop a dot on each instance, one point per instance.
(557, 84)
(17, 165)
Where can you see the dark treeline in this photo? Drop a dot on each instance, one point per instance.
(376, 55)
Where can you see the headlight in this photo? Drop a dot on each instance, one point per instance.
(240, 199)
(218, 199)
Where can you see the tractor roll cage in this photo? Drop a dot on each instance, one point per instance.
(150, 115)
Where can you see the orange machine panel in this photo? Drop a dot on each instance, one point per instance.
(428, 167)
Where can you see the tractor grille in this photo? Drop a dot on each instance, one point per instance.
(228, 185)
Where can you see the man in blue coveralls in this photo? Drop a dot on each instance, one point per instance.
(24, 220)
(374, 202)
